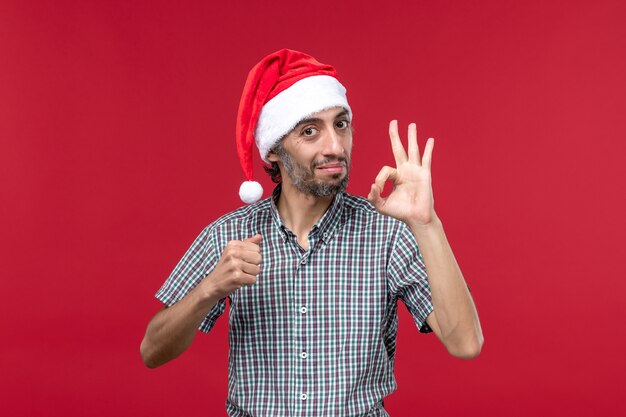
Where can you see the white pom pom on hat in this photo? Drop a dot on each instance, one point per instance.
(250, 192)
(281, 90)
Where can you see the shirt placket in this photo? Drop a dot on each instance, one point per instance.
(302, 332)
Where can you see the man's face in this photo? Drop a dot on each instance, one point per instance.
(315, 156)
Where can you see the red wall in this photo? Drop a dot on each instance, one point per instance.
(117, 148)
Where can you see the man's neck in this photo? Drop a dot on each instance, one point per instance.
(299, 211)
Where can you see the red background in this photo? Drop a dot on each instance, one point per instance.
(117, 148)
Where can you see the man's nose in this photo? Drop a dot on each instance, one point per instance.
(332, 143)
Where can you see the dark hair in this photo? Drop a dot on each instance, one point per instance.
(273, 171)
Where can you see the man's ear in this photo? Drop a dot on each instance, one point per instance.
(272, 157)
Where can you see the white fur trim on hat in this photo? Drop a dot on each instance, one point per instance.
(282, 113)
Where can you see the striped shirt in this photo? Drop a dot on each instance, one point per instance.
(316, 334)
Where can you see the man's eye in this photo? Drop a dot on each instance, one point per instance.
(309, 131)
(342, 124)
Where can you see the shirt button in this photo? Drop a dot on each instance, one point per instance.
(303, 397)
(303, 355)
(303, 310)
(303, 261)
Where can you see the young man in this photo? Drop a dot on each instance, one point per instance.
(312, 273)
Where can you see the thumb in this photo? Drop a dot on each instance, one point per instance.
(256, 239)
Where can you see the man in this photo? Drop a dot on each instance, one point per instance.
(312, 273)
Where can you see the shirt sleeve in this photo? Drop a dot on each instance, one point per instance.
(198, 261)
(408, 278)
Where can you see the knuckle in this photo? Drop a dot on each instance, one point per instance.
(228, 253)
(229, 260)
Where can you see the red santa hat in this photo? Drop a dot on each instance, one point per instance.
(281, 90)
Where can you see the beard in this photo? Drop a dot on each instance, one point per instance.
(303, 177)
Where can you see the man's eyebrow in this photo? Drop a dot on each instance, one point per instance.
(342, 113)
(308, 120)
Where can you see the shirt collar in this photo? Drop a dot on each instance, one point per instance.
(325, 227)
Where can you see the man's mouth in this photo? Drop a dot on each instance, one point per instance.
(332, 168)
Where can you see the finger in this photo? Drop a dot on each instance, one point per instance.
(386, 173)
(243, 279)
(249, 280)
(375, 198)
(428, 153)
(396, 143)
(251, 257)
(249, 247)
(250, 269)
(414, 152)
